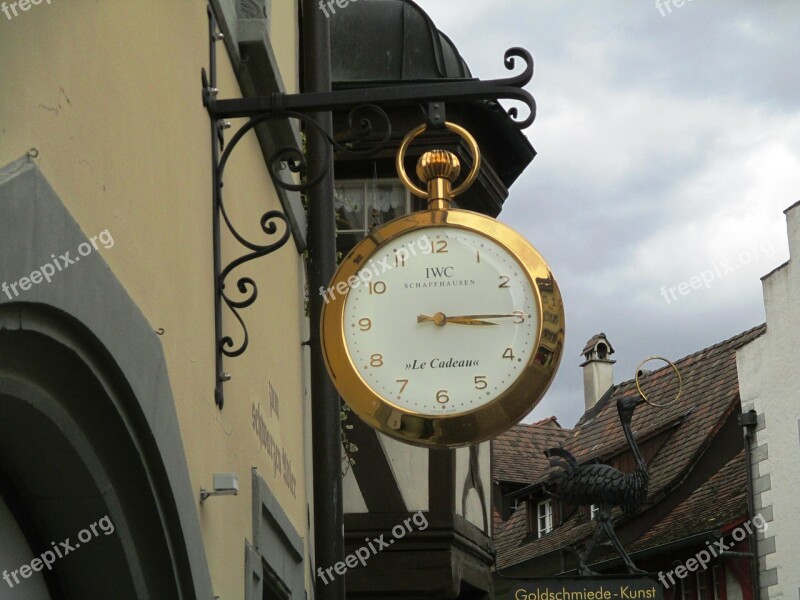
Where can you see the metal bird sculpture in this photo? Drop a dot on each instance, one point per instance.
(603, 485)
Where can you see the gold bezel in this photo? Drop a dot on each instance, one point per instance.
(478, 424)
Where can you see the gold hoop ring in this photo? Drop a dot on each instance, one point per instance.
(415, 133)
(639, 387)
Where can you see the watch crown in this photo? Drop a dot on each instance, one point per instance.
(438, 164)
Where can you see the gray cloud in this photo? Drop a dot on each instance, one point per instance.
(667, 145)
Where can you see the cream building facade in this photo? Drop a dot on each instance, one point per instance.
(769, 380)
(107, 333)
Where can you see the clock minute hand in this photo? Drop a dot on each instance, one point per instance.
(512, 315)
(440, 320)
(468, 321)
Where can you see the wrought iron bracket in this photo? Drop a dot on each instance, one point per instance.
(365, 139)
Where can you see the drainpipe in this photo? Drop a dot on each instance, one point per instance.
(749, 420)
(325, 407)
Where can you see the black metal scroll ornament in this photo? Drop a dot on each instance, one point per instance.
(603, 485)
(271, 221)
(369, 132)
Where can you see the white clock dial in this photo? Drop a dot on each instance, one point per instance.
(441, 321)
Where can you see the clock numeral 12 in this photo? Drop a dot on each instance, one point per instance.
(439, 247)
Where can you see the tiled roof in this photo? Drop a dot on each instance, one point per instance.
(710, 393)
(518, 454)
(717, 502)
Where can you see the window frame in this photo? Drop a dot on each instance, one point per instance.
(547, 516)
(716, 573)
(369, 185)
(686, 591)
(701, 584)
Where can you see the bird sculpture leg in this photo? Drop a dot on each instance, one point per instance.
(609, 529)
(584, 570)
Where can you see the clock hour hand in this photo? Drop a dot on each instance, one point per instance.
(440, 320)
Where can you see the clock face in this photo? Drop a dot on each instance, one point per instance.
(441, 321)
(442, 328)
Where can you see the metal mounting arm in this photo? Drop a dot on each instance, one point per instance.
(364, 105)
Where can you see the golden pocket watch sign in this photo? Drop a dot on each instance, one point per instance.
(452, 326)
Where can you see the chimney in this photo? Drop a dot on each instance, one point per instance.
(598, 369)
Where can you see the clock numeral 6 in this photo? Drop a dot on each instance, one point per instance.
(480, 382)
(377, 287)
(376, 360)
(365, 324)
(509, 354)
(442, 397)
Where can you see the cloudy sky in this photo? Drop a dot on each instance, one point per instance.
(669, 146)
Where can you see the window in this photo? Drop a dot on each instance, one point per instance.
(275, 562)
(686, 589)
(363, 205)
(716, 573)
(272, 587)
(544, 517)
(702, 585)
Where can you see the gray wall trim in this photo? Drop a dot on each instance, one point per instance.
(760, 453)
(762, 484)
(767, 514)
(761, 422)
(275, 540)
(228, 13)
(253, 574)
(768, 578)
(35, 224)
(766, 546)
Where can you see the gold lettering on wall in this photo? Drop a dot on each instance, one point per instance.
(281, 462)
